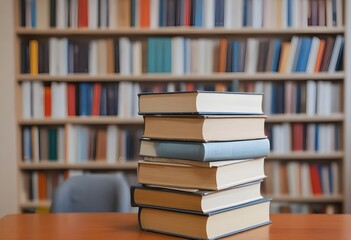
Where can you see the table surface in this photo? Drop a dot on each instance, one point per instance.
(125, 226)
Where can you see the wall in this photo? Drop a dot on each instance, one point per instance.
(8, 176)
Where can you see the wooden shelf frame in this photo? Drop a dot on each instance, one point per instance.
(242, 76)
(103, 165)
(337, 155)
(311, 199)
(182, 31)
(99, 120)
(342, 77)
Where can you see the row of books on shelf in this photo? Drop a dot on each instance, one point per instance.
(60, 99)
(310, 97)
(230, 14)
(111, 144)
(179, 55)
(304, 208)
(310, 137)
(302, 179)
(78, 144)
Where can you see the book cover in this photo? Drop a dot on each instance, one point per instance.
(255, 213)
(196, 200)
(200, 102)
(210, 151)
(199, 177)
(204, 127)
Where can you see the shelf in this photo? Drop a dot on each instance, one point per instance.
(337, 155)
(180, 31)
(312, 199)
(278, 118)
(267, 76)
(91, 120)
(36, 204)
(132, 165)
(139, 120)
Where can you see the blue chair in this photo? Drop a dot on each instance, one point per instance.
(92, 193)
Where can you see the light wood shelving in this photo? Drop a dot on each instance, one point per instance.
(340, 77)
(183, 78)
(314, 199)
(174, 31)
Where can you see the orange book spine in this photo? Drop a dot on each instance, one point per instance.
(96, 99)
(33, 54)
(145, 13)
(42, 185)
(319, 56)
(71, 99)
(222, 63)
(83, 13)
(47, 101)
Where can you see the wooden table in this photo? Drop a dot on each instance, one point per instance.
(115, 226)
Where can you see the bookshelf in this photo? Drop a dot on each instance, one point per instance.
(339, 155)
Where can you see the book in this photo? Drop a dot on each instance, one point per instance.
(204, 152)
(212, 225)
(200, 102)
(209, 178)
(204, 128)
(194, 199)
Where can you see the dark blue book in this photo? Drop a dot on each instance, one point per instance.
(204, 152)
(297, 54)
(235, 54)
(33, 13)
(316, 137)
(133, 12)
(304, 52)
(336, 138)
(289, 13)
(274, 99)
(205, 226)
(24, 56)
(338, 66)
(85, 97)
(23, 13)
(298, 98)
(219, 13)
(111, 102)
(276, 55)
(163, 13)
(229, 57)
(198, 13)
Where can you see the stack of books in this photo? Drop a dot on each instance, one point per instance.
(203, 164)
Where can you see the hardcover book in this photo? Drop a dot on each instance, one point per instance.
(194, 199)
(205, 151)
(212, 225)
(205, 128)
(200, 102)
(208, 178)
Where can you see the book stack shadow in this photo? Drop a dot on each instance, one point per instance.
(203, 164)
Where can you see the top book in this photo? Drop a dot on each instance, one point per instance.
(200, 102)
